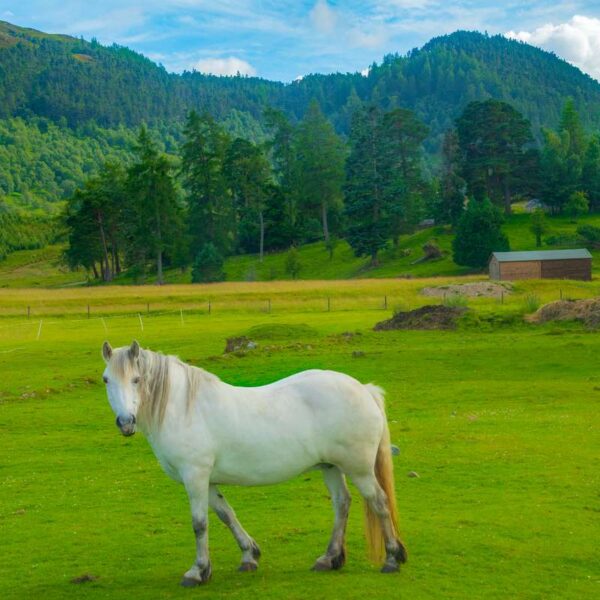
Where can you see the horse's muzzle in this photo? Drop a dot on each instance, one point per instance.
(126, 425)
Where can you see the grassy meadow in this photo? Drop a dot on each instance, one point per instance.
(499, 419)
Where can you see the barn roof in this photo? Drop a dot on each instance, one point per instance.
(541, 255)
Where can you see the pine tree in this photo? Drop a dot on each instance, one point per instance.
(320, 164)
(249, 177)
(155, 213)
(492, 136)
(368, 227)
(202, 157)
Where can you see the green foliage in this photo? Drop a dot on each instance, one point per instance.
(456, 301)
(208, 265)
(320, 167)
(532, 303)
(293, 266)
(577, 205)
(491, 138)
(590, 233)
(478, 234)
(539, 225)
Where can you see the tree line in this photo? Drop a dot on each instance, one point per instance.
(221, 195)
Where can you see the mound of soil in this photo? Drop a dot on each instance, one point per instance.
(432, 316)
(239, 344)
(474, 289)
(586, 311)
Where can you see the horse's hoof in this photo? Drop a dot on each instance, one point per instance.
(390, 568)
(401, 554)
(187, 582)
(246, 567)
(322, 565)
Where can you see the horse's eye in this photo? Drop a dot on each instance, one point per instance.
(135, 380)
(105, 379)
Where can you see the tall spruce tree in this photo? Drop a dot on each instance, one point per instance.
(249, 176)
(155, 214)
(209, 203)
(368, 226)
(320, 157)
(404, 134)
(492, 136)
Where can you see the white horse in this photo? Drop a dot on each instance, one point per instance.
(206, 432)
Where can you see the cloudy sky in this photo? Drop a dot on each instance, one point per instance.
(286, 39)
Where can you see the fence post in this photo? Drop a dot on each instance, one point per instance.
(181, 315)
(148, 307)
(385, 302)
(209, 308)
(88, 311)
(39, 330)
(328, 304)
(502, 297)
(269, 305)
(141, 322)
(29, 312)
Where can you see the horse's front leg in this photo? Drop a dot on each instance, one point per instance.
(196, 485)
(249, 548)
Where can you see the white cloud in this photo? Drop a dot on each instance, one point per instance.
(224, 66)
(7, 14)
(577, 41)
(323, 17)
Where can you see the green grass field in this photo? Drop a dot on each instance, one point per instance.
(499, 418)
(45, 268)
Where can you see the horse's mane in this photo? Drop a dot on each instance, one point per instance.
(155, 382)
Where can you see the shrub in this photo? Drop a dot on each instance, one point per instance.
(456, 301)
(532, 303)
(478, 234)
(208, 266)
(577, 204)
(292, 263)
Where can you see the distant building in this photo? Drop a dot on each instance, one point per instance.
(548, 264)
(534, 204)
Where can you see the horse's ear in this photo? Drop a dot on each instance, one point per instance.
(134, 350)
(106, 351)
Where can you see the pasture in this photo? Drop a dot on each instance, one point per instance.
(498, 418)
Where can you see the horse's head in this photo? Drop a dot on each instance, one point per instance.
(122, 379)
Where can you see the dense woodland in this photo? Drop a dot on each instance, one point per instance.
(157, 169)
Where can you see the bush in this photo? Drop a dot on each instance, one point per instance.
(532, 303)
(478, 234)
(208, 266)
(590, 233)
(577, 204)
(292, 263)
(456, 301)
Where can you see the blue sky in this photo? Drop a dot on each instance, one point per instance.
(284, 40)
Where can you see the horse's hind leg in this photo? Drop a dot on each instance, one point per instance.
(249, 548)
(335, 557)
(377, 500)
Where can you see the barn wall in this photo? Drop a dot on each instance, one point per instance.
(576, 268)
(530, 269)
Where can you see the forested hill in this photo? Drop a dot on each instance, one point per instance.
(71, 80)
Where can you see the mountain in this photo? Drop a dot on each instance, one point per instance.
(67, 104)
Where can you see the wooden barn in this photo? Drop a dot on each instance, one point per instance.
(546, 264)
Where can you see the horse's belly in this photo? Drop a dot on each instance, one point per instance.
(263, 470)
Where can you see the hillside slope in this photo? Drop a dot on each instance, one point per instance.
(45, 268)
(61, 77)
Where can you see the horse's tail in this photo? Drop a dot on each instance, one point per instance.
(384, 472)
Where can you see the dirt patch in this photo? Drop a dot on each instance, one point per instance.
(239, 344)
(476, 289)
(432, 316)
(586, 311)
